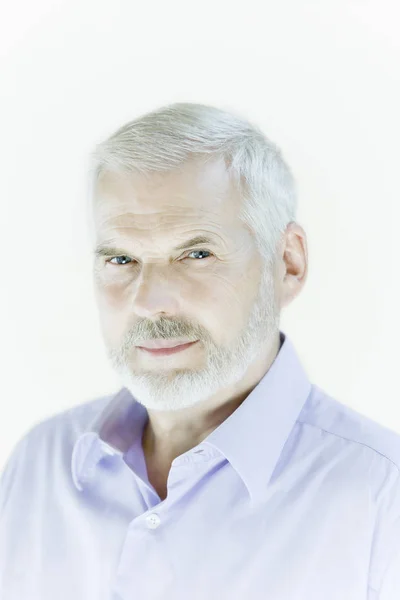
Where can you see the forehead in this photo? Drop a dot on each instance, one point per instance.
(198, 192)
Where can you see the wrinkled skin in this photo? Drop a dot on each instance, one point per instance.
(223, 297)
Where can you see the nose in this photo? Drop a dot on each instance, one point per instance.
(156, 292)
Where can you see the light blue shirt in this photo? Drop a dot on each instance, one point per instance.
(295, 496)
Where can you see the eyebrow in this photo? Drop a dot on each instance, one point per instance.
(103, 250)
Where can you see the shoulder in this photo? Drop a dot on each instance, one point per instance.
(335, 418)
(369, 453)
(65, 425)
(47, 445)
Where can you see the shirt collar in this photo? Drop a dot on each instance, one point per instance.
(251, 438)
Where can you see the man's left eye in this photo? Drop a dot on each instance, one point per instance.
(200, 252)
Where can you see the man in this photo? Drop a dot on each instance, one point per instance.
(218, 470)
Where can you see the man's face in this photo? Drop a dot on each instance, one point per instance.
(217, 292)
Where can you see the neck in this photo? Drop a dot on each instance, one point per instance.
(168, 434)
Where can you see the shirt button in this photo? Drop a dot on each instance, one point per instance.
(153, 521)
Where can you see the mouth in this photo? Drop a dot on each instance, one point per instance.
(167, 351)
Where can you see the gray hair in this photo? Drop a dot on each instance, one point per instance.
(165, 138)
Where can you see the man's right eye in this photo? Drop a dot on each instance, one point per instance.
(118, 263)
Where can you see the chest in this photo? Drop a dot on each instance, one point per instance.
(157, 474)
(158, 480)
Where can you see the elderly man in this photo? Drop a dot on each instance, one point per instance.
(218, 470)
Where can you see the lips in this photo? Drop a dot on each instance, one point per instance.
(160, 343)
(167, 350)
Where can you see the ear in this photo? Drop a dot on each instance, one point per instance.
(294, 263)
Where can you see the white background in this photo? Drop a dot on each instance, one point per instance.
(323, 81)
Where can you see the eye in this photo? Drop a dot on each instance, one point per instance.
(123, 256)
(200, 252)
(191, 252)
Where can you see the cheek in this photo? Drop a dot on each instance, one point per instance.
(112, 314)
(234, 300)
(110, 298)
(226, 298)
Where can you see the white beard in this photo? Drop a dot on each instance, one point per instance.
(174, 388)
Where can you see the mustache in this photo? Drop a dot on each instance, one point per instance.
(164, 329)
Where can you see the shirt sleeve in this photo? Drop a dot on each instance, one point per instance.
(384, 581)
(390, 589)
(9, 472)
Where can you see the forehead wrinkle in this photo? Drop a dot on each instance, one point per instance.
(171, 211)
(176, 202)
(145, 222)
